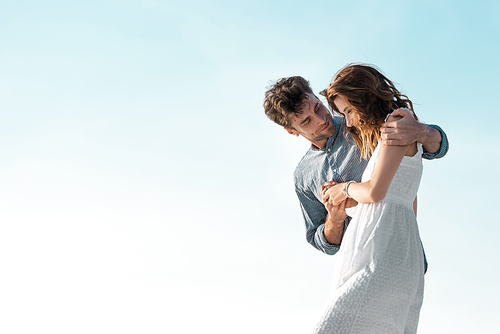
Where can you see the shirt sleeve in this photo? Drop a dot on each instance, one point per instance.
(314, 213)
(443, 149)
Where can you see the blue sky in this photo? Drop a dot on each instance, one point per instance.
(144, 190)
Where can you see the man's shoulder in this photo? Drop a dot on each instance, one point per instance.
(305, 161)
(307, 168)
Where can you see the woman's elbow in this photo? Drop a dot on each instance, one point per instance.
(376, 195)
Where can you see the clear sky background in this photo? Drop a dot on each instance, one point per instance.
(143, 190)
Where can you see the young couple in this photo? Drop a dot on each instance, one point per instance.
(366, 160)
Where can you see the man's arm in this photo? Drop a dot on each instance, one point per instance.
(407, 130)
(323, 230)
(335, 223)
(443, 148)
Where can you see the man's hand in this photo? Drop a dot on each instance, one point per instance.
(404, 131)
(407, 130)
(336, 212)
(334, 223)
(350, 202)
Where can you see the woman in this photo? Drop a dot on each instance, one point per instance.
(379, 274)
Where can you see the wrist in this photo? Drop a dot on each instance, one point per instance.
(333, 230)
(345, 190)
(423, 134)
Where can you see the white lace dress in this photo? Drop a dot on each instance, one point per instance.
(378, 279)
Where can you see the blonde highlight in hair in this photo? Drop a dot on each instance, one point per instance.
(372, 96)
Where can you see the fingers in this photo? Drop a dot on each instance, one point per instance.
(325, 187)
(396, 113)
(390, 136)
(323, 192)
(385, 133)
(390, 142)
(329, 184)
(324, 196)
(336, 212)
(333, 208)
(400, 112)
(389, 128)
(341, 203)
(350, 202)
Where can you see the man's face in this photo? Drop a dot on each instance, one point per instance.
(314, 123)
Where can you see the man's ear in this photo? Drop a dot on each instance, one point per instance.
(292, 132)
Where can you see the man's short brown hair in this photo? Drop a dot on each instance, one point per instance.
(284, 99)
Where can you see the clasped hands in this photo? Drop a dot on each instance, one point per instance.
(334, 199)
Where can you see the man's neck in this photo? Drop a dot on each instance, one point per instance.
(319, 145)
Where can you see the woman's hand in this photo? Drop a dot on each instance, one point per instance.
(324, 188)
(331, 192)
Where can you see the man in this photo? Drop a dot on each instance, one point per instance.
(290, 103)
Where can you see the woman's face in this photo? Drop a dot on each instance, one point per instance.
(351, 116)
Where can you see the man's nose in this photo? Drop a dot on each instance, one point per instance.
(320, 119)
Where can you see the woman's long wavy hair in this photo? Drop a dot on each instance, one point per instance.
(372, 96)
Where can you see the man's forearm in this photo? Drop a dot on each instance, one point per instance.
(430, 138)
(333, 231)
